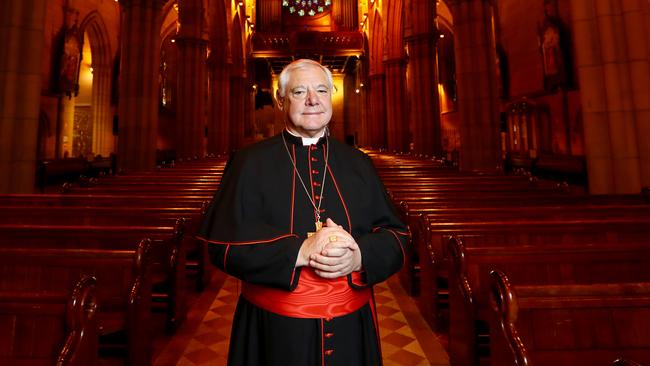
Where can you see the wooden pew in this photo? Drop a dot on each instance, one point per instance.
(579, 263)
(165, 253)
(198, 261)
(103, 215)
(56, 171)
(154, 200)
(625, 362)
(151, 190)
(434, 260)
(551, 325)
(123, 216)
(123, 290)
(49, 327)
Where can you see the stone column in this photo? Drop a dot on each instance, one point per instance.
(219, 116)
(613, 61)
(190, 136)
(103, 139)
(22, 26)
(425, 108)
(396, 122)
(376, 135)
(237, 103)
(139, 65)
(192, 71)
(478, 104)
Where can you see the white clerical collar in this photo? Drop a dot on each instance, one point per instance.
(306, 141)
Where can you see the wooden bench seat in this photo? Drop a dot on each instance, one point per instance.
(193, 249)
(166, 253)
(152, 190)
(123, 290)
(551, 325)
(49, 327)
(579, 263)
(146, 200)
(434, 260)
(57, 171)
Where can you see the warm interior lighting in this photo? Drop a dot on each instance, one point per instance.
(241, 3)
(365, 19)
(361, 85)
(357, 91)
(442, 36)
(173, 40)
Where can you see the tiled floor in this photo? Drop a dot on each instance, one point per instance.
(203, 339)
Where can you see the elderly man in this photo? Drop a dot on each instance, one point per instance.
(304, 221)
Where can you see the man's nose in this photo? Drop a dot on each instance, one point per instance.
(312, 97)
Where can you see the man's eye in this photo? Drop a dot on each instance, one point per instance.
(323, 91)
(298, 93)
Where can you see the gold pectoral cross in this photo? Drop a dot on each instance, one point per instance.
(319, 225)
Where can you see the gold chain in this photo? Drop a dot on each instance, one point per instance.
(322, 186)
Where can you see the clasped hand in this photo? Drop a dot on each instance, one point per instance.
(332, 252)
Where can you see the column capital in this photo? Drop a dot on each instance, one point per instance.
(190, 41)
(156, 4)
(400, 61)
(458, 2)
(427, 36)
(215, 60)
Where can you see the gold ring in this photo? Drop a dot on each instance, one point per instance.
(333, 238)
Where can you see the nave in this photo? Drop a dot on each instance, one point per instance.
(565, 274)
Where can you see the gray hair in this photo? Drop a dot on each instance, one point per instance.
(283, 79)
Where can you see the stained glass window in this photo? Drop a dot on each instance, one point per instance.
(306, 7)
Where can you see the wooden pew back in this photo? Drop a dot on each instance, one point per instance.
(123, 290)
(49, 327)
(580, 263)
(550, 325)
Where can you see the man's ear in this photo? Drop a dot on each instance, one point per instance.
(279, 100)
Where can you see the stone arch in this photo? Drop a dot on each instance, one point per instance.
(394, 31)
(103, 140)
(238, 83)
(219, 79)
(376, 43)
(443, 13)
(237, 46)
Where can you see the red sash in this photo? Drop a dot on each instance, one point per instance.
(314, 297)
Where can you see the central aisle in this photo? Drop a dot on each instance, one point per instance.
(203, 339)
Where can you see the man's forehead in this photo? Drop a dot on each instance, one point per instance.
(309, 76)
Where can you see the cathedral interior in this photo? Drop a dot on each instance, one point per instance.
(554, 94)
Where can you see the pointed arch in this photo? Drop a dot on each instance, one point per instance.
(218, 30)
(102, 64)
(237, 46)
(394, 31)
(238, 82)
(376, 44)
(219, 79)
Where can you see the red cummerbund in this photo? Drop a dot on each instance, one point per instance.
(314, 297)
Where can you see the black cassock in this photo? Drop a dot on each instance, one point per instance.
(259, 218)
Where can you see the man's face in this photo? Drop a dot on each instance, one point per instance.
(308, 101)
